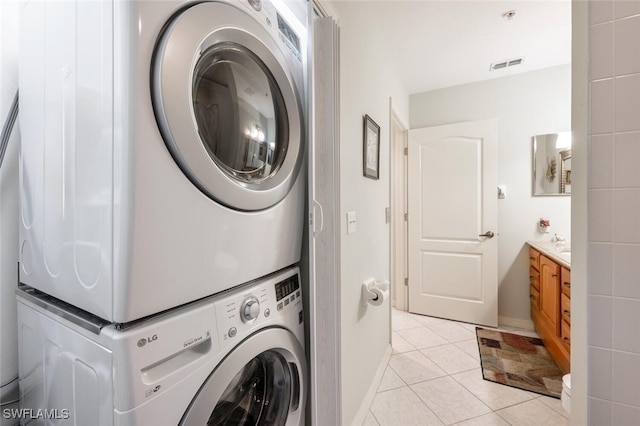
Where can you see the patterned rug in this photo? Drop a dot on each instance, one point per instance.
(519, 361)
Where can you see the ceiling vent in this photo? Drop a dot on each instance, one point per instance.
(506, 64)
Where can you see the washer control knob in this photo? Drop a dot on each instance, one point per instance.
(250, 309)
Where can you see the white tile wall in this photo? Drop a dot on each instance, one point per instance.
(600, 270)
(626, 153)
(613, 285)
(627, 267)
(602, 165)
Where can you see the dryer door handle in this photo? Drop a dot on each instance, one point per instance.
(317, 218)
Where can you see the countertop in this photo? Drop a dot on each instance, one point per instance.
(548, 248)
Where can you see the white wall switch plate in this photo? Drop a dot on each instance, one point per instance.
(502, 192)
(351, 222)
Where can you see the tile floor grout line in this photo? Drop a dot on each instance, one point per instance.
(425, 404)
(456, 342)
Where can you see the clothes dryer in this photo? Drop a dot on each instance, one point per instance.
(236, 358)
(162, 150)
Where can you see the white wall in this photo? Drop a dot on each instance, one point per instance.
(613, 251)
(8, 200)
(367, 80)
(525, 105)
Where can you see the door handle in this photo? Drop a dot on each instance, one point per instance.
(487, 234)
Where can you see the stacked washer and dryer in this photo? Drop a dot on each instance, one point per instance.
(162, 212)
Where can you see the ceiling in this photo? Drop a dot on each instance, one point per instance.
(445, 43)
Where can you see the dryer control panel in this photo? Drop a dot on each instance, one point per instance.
(287, 28)
(278, 300)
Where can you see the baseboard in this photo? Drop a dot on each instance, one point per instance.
(527, 324)
(371, 393)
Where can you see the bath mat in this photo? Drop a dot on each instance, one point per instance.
(518, 361)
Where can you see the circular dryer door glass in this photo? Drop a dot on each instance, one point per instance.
(258, 395)
(228, 99)
(240, 112)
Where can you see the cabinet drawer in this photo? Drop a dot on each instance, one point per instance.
(534, 258)
(565, 281)
(534, 278)
(565, 307)
(566, 335)
(534, 296)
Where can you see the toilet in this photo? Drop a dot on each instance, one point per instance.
(566, 393)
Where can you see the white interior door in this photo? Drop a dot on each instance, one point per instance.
(453, 247)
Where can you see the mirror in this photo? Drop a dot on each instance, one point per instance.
(552, 164)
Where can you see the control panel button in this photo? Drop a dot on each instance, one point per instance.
(256, 4)
(280, 306)
(250, 309)
(232, 332)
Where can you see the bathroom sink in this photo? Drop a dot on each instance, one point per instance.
(566, 255)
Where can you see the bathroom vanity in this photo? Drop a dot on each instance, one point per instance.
(550, 294)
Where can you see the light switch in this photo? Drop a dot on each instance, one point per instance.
(502, 192)
(351, 222)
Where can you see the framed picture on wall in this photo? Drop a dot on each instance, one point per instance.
(371, 147)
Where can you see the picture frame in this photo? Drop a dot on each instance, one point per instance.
(371, 148)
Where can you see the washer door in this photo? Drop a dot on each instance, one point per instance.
(227, 106)
(261, 382)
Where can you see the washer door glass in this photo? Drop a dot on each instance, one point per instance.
(240, 112)
(261, 382)
(258, 395)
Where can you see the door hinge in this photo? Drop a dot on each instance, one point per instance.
(406, 217)
(406, 150)
(406, 282)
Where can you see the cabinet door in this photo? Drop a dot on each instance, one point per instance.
(550, 293)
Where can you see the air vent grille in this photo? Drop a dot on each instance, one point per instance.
(506, 64)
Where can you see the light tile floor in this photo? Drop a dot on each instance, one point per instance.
(434, 378)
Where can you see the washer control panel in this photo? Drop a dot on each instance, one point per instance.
(248, 307)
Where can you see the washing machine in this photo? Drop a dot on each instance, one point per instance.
(162, 149)
(233, 359)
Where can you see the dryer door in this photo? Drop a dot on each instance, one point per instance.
(261, 382)
(227, 106)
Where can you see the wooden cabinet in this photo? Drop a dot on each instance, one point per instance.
(534, 281)
(550, 294)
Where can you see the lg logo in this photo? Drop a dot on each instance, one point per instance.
(144, 341)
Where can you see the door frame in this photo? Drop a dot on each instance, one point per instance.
(398, 195)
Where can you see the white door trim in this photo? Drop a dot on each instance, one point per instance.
(398, 191)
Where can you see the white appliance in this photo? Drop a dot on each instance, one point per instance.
(234, 358)
(162, 150)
